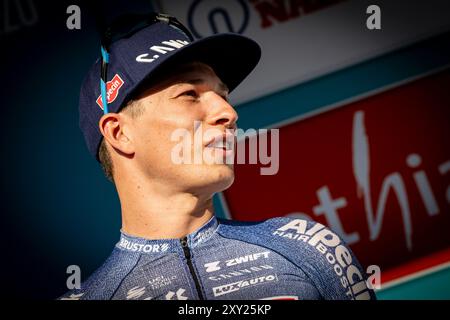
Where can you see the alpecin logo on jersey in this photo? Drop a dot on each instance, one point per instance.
(334, 251)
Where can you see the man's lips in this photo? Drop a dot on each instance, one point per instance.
(223, 141)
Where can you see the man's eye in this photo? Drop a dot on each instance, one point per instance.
(190, 93)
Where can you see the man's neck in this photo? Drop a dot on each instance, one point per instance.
(155, 212)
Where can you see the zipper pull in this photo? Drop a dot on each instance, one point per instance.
(184, 245)
(184, 242)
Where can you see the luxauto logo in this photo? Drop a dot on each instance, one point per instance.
(112, 92)
(236, 286)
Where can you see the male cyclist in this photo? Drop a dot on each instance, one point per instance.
(152, 81)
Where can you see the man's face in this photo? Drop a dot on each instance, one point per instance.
(184, 112)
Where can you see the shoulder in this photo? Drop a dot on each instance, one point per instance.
(103, 283)
(290, 232)
(276, 228)
(311, 246)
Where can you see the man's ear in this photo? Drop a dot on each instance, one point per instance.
(114, 129)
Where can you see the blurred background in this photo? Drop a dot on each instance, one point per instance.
(363, 114)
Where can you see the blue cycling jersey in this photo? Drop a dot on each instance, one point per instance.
(280, 258)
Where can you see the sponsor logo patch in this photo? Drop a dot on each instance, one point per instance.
(138, 247)
(112, 90)
(236, 286)
(135, 293)
(240, 272)
(214, 266)
(161, 49)
(328, 244)
(161, 281)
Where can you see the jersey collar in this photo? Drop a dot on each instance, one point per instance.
(161, 246)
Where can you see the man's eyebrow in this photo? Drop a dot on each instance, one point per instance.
(222, 86)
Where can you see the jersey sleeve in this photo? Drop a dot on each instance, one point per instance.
(323, 256)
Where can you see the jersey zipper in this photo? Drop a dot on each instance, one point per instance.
(187, 254)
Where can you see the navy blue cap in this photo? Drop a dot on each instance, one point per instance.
(138, 57)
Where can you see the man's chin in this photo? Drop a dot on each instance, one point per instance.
(215, 178)
(222, 175)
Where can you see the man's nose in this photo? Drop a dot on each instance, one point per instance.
(222, 113)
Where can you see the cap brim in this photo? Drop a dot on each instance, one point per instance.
(232, 57)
